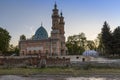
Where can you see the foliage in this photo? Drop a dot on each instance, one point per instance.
(109, 42)
(16, 51)
(4, 40)
(77, 44)
(12, 50)
(106, 36)
(22, 37)
(100, 47)
(91, 45)
(116, 40)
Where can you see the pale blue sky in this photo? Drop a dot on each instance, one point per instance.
(25, 16)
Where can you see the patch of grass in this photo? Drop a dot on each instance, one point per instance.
(53, 71)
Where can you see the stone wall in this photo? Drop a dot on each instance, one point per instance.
(53, 61)
(33, 61)
(58, 61)
(96, 64)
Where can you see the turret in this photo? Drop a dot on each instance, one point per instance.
(61, 23)
(55, 17)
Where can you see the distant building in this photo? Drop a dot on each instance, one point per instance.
(42, 44)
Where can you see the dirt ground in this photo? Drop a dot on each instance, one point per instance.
(60, 77)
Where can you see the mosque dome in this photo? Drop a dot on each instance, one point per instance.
(41, 33)
(92, 53)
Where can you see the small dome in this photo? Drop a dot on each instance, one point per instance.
(41, 33)
(92, 53)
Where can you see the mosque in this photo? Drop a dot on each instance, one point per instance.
(41, 44)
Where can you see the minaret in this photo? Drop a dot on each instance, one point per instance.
(62, 32)
(58, 32)
(61, 24)
(55, 33)
(55, 18)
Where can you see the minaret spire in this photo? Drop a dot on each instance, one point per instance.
(61, 23)
(41, 24)
(55, 6)
(61, 17)
(55, 17)
(61, 13)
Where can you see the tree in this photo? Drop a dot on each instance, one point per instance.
(4, 40)
(16, 50)
(12, 50)
(116, 40)
(72, 44)
(91, 45)
(11, 47)
(22, 37)
(82, 40)
(76, 44)
(100, 46)
(107, 38)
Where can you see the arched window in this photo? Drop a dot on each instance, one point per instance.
(30, 52)
(46, 52)
(34, 51)
(40, 52)
(22, 52)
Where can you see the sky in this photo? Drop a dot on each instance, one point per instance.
(25, 16)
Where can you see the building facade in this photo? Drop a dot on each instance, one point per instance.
(41, 44)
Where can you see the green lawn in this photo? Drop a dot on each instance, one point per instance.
(66, 71)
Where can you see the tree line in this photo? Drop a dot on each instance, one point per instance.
(106, 43)
(110, 40)
(77, 44)
(5, 47)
